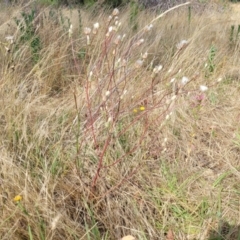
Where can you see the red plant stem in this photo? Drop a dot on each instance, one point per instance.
(90, 113)
(100, 162)
(87, 96)
(140, 141)
(75, 98)
(124, 179)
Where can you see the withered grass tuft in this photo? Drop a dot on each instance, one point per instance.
(111, 131)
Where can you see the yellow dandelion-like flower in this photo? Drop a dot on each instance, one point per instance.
(17, 198)
(142, 108)
(135, 110)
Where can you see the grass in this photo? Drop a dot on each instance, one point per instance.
(112, 130)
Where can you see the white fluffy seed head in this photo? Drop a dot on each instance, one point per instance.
(157, 69)
(115, 12)
(139, 63)
(110, 18)
(117, 40)
(149, 27)
(140, 41)
(181, 44)
(96, 25)
(145, 55)
(184, 80)
(87, 30)
(203, 88)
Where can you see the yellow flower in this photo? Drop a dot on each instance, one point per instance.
(17, 198)
(135, 110)
(142, 108)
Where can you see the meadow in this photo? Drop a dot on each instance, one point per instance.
(120, 123)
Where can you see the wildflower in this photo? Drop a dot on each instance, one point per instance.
(203, 88)
(17, 198)
(200, 97)
(142, 108)
(181, 44)
(219, 79)
(185, 80)
(135, 110)
(115, 12)
(87, 30)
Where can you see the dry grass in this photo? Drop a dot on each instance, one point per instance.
(99, 144)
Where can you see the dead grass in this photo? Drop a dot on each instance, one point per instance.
(100, 142)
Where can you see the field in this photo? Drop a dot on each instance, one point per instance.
(120, 124)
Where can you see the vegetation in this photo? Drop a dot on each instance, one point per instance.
(120, 125)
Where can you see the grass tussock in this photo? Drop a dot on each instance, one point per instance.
(119, 125)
